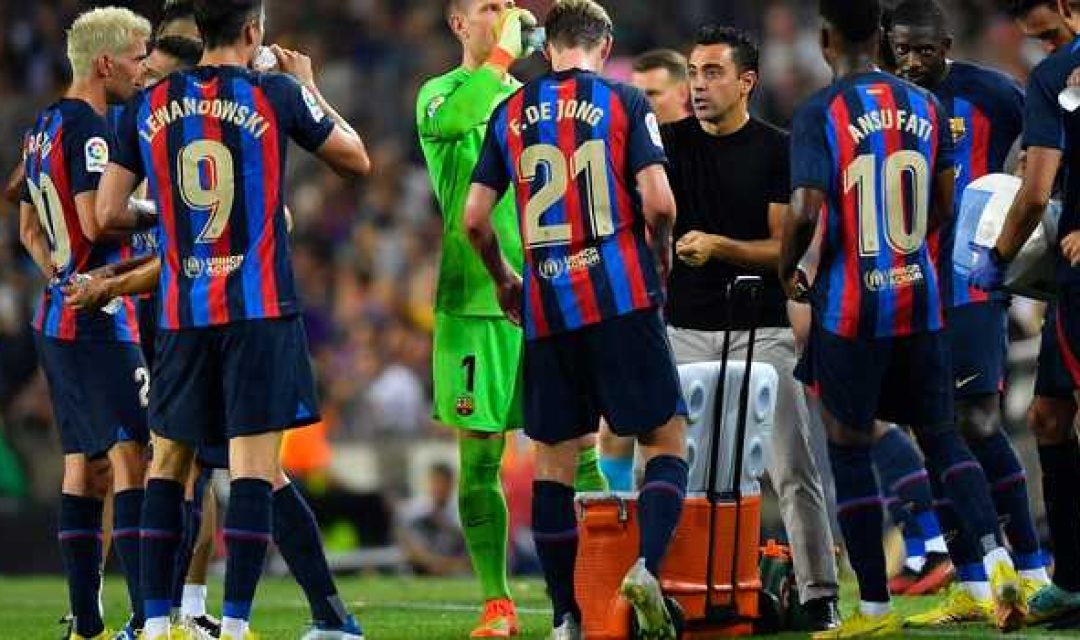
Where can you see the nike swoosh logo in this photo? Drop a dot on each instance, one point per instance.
(960, 384)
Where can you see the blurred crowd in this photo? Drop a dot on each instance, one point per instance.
(366, 254)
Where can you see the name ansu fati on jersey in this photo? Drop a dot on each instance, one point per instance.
(890, 119)
(40, 143)
(582, 110)
(225, 110)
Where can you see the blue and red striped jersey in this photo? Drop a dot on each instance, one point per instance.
(986, 110)
(874, 145)
(572, 143)
(212, 143)
(65, 155)
(1048, 126)
(143, 243)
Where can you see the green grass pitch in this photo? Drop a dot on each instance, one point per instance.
(389, 608)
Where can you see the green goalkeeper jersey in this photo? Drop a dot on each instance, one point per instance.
(452, 112)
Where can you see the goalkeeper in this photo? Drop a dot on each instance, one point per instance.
(477, 352)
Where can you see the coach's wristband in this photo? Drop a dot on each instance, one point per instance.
(501, 58)
(998, 259)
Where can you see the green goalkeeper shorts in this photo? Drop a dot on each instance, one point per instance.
(477, 369)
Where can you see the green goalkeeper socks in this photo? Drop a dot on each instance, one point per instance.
(483, 512)
(589, 477)
(483, 506)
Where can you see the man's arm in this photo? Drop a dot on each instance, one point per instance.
(343, 150)
(13, 186)
(1040, 170)
(111, 211)
(659, 209)
(131, 277)
(478, 207)
(138, 215)
(695, 248)
(453, 115)
(798, 233)
(33, 239)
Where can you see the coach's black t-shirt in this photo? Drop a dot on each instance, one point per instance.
(723, 186)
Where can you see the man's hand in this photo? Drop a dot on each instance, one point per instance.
(696, 248)
(988, 274)
(797, 287)
(510, 30)
(1074, 78)
(87, 294)
(295, 64)
(511, 294)
(1070, 248)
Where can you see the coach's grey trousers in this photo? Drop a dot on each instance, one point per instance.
(792, 467)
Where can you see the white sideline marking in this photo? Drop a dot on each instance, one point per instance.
(437, 606)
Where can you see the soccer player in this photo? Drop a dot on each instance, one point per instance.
(97, 377)
(1041, 20)
(1052, 140)
(296, 533)
(662, 75)
(231, 357)
(876, 345)
(585, 159)
(986, 110)
(477, 352)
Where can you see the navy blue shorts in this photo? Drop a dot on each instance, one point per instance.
(1067, 328)
(1052, 379)
(621, 369)
(147, 311)
(240, 379)
(904, 380)
(213, 456)
(99, 392)
(979, 337)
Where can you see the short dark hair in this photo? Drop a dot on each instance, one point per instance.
(221, 21)
(577, 23)
(1020, 8)
(920, 13)
(886, 55)
(176, 10)
(673, 61)
(744, 52)
(186, 50)
(856, 20)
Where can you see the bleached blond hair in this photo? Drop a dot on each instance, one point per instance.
(105, 30)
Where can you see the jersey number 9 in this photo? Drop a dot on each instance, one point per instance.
(216, 193)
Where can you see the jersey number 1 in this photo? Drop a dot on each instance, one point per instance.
(217, 194)
(904, 173)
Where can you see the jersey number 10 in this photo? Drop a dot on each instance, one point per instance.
(50, 212)
(903, 173)
(590, 158)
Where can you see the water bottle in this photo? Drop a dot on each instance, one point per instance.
(265, 60)
(112, 307)
(534, 38)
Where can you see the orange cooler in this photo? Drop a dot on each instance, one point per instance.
(608, 546)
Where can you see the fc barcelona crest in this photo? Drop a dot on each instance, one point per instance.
(465, 406)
